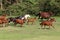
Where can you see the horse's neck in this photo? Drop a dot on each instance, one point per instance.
(27, 15)
(51, 21)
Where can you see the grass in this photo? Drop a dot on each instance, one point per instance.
(30, 32)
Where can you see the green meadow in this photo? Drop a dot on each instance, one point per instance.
(30, 32)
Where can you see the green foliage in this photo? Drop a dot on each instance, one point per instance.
(0, 12)
(31, 6)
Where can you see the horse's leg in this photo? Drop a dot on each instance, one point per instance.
(53, 26)
(15, 23)
(4, 24)
(32, 23)
(27, 22)
(41, 19)
(41, 26)
(7, 24)
(1, 25)
(44, 27)
(48, 18)
(21, 25)
(49, 26)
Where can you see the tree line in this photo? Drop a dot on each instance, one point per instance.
(20, 7)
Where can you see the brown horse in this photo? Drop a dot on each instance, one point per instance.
(16, 21)
(45, 15)
(1, 23)
(32, 20)
(4, 22)
(3, 19)
(19, 21)
(47, 23)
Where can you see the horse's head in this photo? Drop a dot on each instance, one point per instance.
(52, 19)
(51, 13)
(35, 17)
(27, 16)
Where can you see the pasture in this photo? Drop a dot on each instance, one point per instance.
(30, 32)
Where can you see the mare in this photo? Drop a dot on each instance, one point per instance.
(44, 15)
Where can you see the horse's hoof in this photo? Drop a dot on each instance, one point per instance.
(21, 26)
(47, 28)
(43, 28)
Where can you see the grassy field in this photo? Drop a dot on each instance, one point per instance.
(30, 32)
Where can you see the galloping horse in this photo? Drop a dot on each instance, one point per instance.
(3, 19)
(24, 17)
(45, 15)
(19, 19)
(16, 21)
(47, 23)
(32, 20)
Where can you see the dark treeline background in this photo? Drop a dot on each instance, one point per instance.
(20, 7)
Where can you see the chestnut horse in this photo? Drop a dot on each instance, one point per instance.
(3, 19)
(16, 21)
(48, 23)
(19, 21)
(32, 20)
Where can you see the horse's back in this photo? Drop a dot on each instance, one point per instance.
(45, 15)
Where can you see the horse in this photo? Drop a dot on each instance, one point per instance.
(23, 17)
(32, 20)
(20, 17)
(1, 23)
(10, 19)
(26, 16)
(4, 22)
(47, 23)
(19, 21)
(44, 15)
(3, 19)
(16, 21)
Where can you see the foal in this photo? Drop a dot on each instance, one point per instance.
(32, 20)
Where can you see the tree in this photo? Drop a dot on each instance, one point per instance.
(20, 7)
